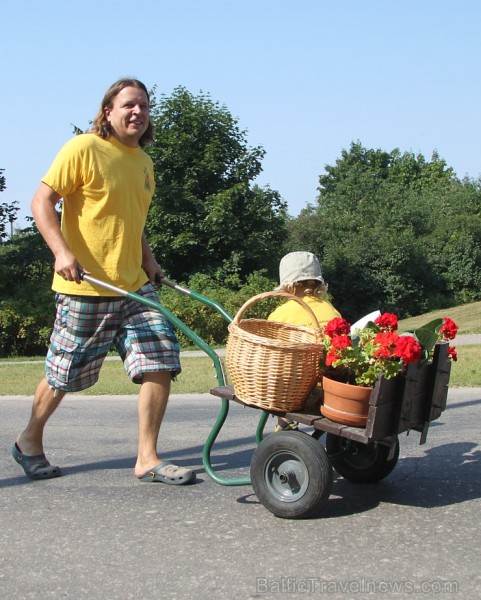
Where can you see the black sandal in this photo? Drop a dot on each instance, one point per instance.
(35, 467)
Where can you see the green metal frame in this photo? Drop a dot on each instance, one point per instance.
(202, 345)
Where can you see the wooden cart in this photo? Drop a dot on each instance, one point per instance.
(291, 472)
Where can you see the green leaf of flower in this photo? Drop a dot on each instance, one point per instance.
(427, 335)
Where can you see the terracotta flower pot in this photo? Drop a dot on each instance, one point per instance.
(345, 403)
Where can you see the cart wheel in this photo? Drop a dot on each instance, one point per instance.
(291, 474)
(360, 463)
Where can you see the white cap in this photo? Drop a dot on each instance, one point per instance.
(299, 266)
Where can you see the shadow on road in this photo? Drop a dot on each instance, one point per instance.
(444, 475)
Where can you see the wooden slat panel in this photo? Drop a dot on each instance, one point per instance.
(226, 392)
(383, 420)
(416, 397)
(409, 401)
(304, 418)
(324, 424)
(385, 405)
(358, 434)
(441, 381)
(386, 389)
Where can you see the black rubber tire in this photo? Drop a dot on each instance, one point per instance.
(291, 474)
(360, 463)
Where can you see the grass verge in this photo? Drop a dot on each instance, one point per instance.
(198, 376)
(467, 317)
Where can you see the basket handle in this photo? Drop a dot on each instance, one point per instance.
(264, 295)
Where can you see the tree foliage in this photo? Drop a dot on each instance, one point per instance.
(8, 216)
(207, 215)
(26, 300)
(205, 321)
(3, 183)
(8, 211)
(394, 232)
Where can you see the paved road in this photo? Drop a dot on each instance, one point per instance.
(464, 340)
(98, 533)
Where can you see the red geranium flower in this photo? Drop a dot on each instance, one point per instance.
(448, 329)
(378, 349)
(386, 339)
(337, 326)
(452, 353)
(331, 357)
(387, 322)
(339, 342)
(382, 352)
(408, 349)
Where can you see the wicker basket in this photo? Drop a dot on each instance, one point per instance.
(273, 365)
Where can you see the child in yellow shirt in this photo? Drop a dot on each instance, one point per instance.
(300, 274)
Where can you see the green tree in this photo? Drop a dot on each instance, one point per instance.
(8, 211)
(454, 246)
(8, 216)
(371, 167)
(372, 229)
(26, 300)
(207, 216)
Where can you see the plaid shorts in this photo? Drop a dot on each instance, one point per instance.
(86, 328)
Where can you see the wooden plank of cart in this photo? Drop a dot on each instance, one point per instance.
(283, 469)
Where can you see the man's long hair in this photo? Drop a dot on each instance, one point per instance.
(103, 128)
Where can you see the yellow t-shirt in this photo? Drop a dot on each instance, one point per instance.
(107, 189)
(292, 312)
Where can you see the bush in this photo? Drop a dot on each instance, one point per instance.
(21, 332)
(204, 320)
(25, 326)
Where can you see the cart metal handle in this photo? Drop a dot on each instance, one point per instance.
(196, 296)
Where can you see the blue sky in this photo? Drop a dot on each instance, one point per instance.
(305, 78)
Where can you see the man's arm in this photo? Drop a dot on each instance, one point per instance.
(46, 219)
(149, 264)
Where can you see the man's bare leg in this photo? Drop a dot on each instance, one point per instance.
(45, 402)
(153, 398)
